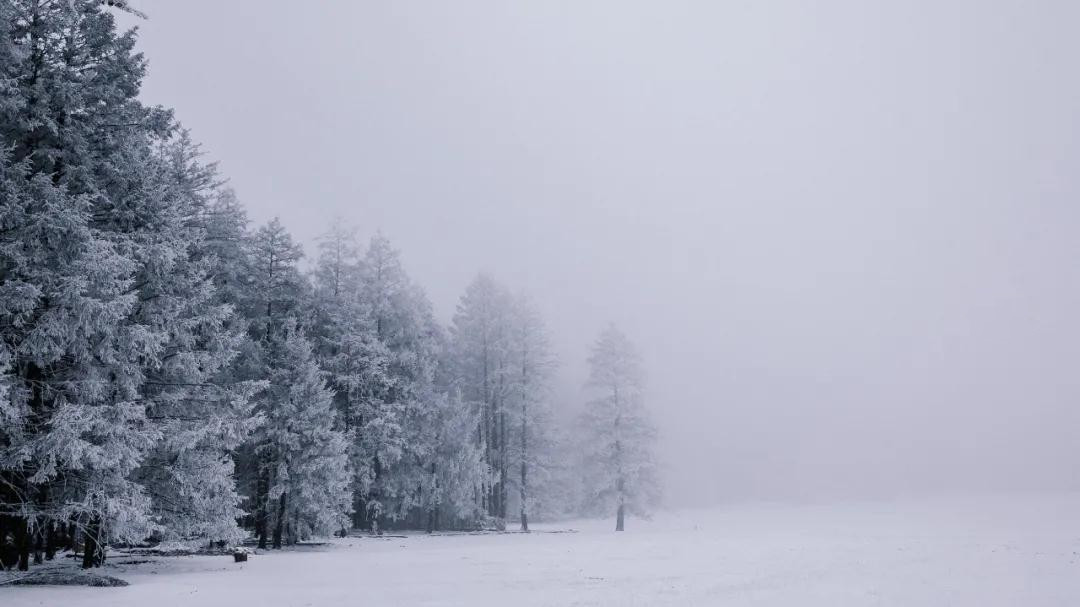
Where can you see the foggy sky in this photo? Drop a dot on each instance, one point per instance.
(844, 235)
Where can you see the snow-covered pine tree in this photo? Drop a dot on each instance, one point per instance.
(78, 353)
(618, 434)
(275, 293)
(481, 355)
(228, 241)
(202, 411)
(355, 361)
(530, 445)
(453, 471)
(309, 485)
(397, 401)
(277, 288)
(73, 425)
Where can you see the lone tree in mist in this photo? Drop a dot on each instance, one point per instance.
(619, 468)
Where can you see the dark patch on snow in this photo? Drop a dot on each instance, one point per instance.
(63, 578)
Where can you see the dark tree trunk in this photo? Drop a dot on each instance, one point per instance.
(72, 536)
(93, 553)
(376, 495)
(22, 543)
(293, 532)
(42, 501)
(50, 541)
(280, 525)
(503, 461)
(620, 486)
(524, 458)
(524, 494)
(433, 511)
(262, 489)
(39, 544)
(524, 491)
(5, 555)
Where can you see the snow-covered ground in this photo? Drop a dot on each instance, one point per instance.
(1016, 551)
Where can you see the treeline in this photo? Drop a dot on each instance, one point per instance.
(170, 372)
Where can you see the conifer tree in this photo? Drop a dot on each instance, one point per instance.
(355, 361)
(530, 444)
(80, 234)
(481, 351)
(398, 394)
(309, 476)
(202, 411)
(276, 290)
(618, 435)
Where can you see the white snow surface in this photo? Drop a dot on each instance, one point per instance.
(1016, 551)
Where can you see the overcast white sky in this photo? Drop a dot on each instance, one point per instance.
(843, 234)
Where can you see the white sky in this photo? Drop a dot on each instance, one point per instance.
(843, 234)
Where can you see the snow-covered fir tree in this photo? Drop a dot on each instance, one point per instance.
(307, 454)
(107, 299)
(394, 416)
(274, 297)
(481, 355)
(203, 412)
(618, 435)
(451, 464)
(355, 361)
(530, 444)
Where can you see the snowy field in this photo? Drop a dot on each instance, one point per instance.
(1017, 551)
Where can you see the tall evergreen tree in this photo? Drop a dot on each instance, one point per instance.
(452, 464)
(618, 435)
(530, 445)
(309, 475)
(203, 412)
(356, 362)
(276, 292)
(481, 351)
(90, 232)
(394, 410)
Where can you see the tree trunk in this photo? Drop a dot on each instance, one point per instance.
(262, 489)
(294, 529)
(50, 541)
(72, 536)
(92, 550)
(433, 511)
(39, 544)
(504, 487)
(376, 495)
(22, 543)
(524, 497)
(524, 458)
(620, 486)
(4, 553)
(279, 526)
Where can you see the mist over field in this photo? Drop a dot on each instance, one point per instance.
(841, 234)
(588, 302)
